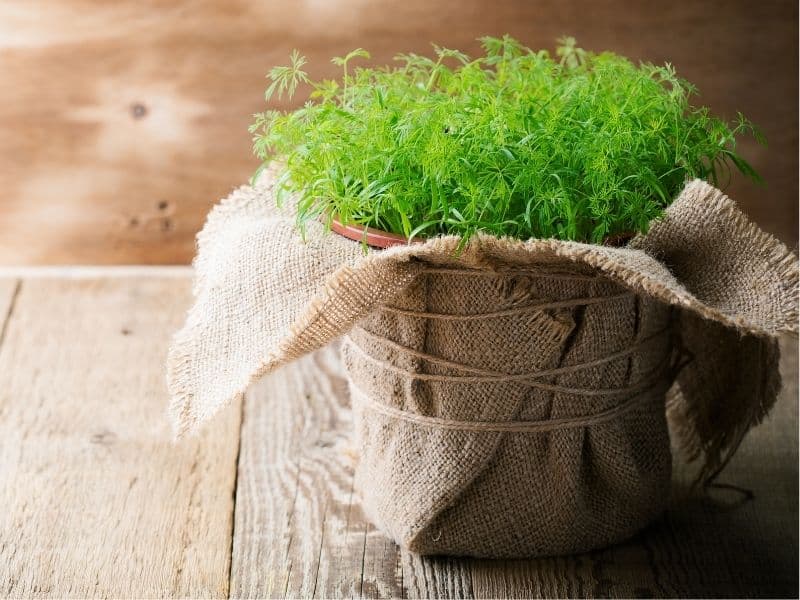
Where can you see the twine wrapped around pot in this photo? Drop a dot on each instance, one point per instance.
(509, 396)
(507, 425)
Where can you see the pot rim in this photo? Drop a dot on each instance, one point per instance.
(377, 238)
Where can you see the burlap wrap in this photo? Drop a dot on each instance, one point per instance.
(509, 398)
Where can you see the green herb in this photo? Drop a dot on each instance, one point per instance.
(515, 143)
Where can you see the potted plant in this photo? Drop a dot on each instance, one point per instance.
(571, 268)
(515, 143)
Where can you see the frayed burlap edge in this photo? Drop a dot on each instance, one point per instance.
(245, 233)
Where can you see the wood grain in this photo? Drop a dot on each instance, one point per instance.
(9, 288)
(96, 499)
(299, 531)
(123, 122)
(436, 577)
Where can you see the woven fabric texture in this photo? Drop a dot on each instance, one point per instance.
(572, 481)
(689, 312)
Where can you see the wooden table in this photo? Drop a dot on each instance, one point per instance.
(96, 500)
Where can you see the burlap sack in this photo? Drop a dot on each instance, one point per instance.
(509, 398)
(571, 459)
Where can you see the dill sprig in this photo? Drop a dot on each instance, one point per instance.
(515, 143)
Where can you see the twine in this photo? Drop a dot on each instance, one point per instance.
(485, 375)
(480, 375)
(500, 426)
(527, 379)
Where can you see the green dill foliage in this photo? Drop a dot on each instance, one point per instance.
(518, 143)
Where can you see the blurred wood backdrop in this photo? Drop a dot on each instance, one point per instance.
(122, 122)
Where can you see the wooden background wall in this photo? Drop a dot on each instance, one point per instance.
(122, 122)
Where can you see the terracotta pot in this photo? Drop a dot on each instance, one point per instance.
(373, 237)
(376, 238)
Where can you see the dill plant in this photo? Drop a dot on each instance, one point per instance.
(518, 143)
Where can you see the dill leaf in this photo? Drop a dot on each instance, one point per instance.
(580, 146)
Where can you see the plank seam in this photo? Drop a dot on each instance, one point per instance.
(289, 527)
(363, 553)
(235, 495)
(10, 311)
(321, 546)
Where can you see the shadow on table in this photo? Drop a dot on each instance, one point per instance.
(721, 545)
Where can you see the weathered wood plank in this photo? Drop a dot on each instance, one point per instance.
(551, 577)
(299, 530)
(436, 576)
(9, 287)
(101, 128)
(97, 500)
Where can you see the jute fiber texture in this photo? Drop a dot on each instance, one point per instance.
(510, 396)
(557, 452)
